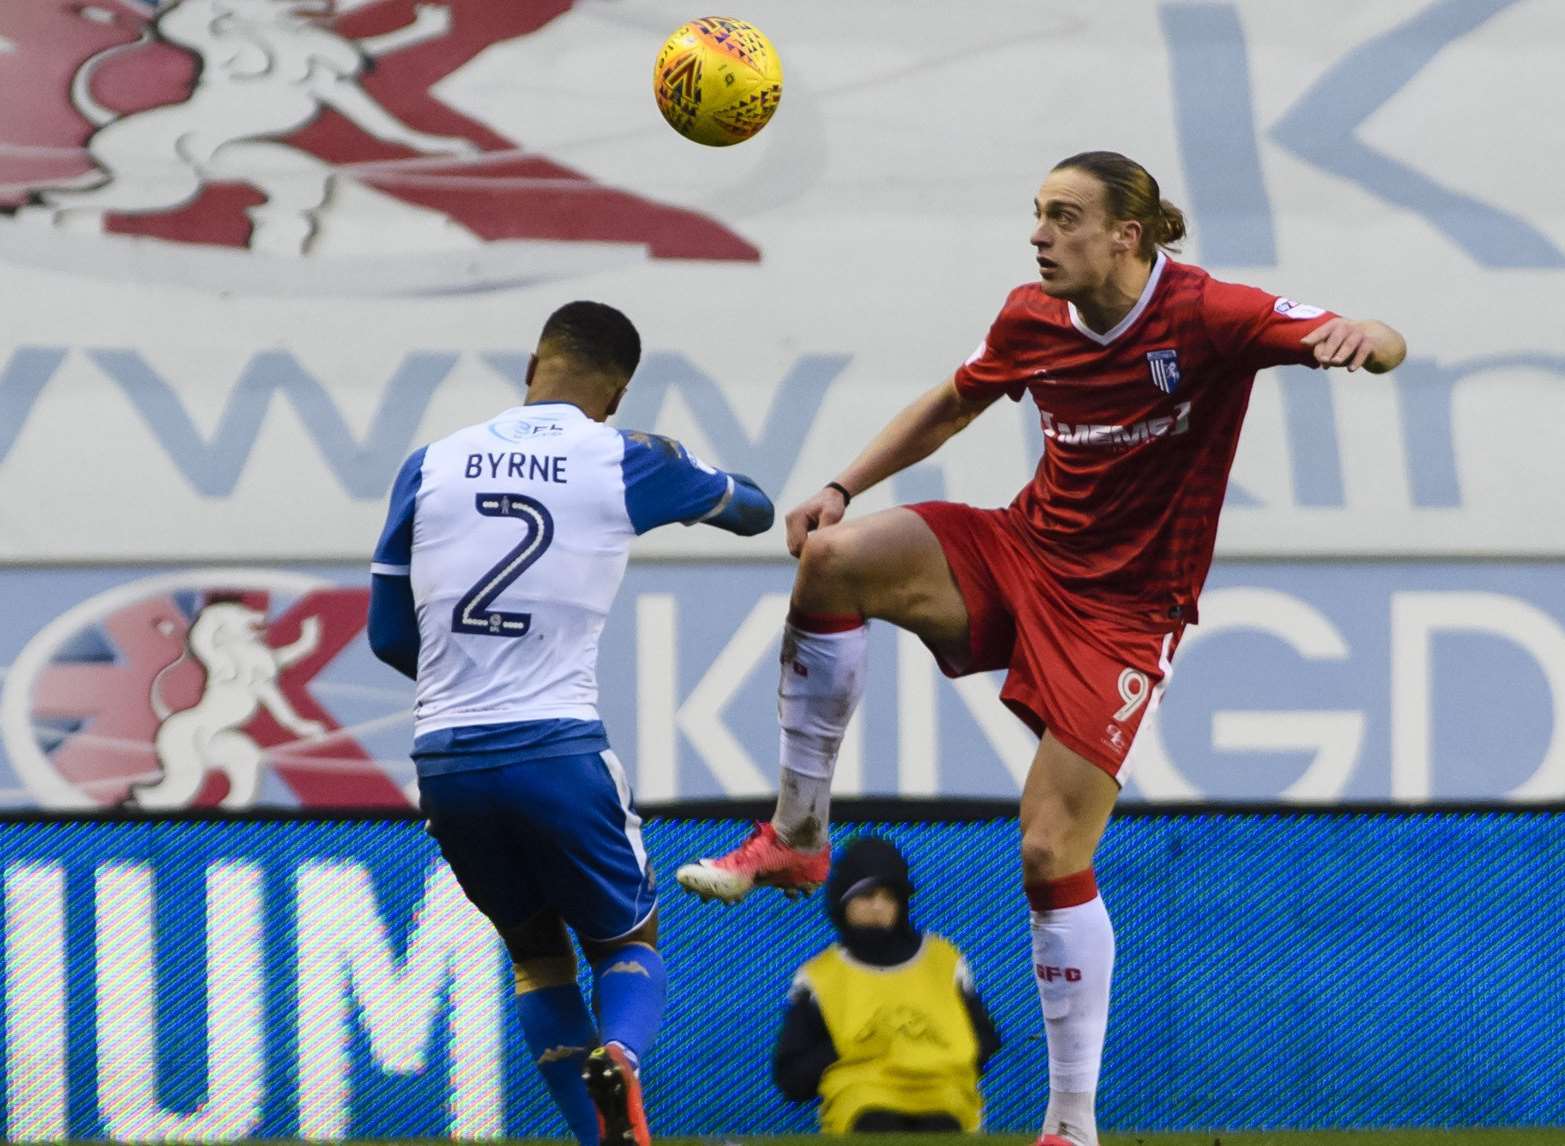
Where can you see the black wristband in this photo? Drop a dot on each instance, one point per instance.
(847, 498)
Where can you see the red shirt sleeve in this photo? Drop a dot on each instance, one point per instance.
(1258, 328)
(992, 369)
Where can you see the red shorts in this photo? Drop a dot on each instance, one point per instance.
(1087, 680)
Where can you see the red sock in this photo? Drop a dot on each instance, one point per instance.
(1067, 891)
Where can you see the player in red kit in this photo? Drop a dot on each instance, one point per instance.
(1141, 369)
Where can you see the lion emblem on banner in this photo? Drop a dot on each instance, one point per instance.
(241, 678)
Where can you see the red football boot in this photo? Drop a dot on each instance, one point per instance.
(763, 860)
(1055, 1140)
(616, 1092)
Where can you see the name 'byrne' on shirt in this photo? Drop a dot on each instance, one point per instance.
(528, 467)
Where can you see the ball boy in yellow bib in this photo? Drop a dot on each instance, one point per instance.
(884, 1025)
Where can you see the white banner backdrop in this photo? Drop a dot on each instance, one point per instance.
(226, 355)
(1305, 683)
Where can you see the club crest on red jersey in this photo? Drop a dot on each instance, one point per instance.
(1164, 365)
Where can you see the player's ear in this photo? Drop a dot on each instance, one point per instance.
(1127, 235)
(532, 368)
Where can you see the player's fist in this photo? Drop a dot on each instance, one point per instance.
(825, 508)
(1341, 342)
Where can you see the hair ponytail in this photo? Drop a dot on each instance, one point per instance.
(1169, 225)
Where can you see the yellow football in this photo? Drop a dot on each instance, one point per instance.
(717, 80)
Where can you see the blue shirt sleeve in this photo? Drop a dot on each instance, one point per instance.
(665, 484)
(747, 511)
(394, 551)
(393, 623)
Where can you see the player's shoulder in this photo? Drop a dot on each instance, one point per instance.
(1191, 301)
(1178, 272)
(646, 452)
(659, 445)
(415, 459)
(1182, 285)
(1213, 294)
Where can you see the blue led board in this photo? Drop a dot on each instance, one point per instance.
(314, 978)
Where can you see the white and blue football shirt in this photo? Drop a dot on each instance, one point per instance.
(514, 535)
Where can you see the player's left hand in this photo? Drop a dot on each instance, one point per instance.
(1341, 342)
(825, 508)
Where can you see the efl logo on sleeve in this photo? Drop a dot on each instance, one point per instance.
(1290, 309)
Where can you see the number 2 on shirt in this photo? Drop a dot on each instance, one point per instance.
(472, 613)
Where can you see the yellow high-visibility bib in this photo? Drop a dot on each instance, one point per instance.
(903, 1036)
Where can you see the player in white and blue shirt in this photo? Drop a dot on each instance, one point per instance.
(503, 551)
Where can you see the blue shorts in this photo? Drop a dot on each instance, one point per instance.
(559, 834)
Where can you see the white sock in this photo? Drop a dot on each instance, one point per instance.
(823, 660)
(1073, 962)
(803, 816)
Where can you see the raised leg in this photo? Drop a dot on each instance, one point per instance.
(888, 566)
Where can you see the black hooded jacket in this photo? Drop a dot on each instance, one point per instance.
(804, 1047)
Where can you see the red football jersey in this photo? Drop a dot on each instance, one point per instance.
(1140, 427)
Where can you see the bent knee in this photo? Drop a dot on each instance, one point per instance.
(538, 974)
(830, 553)
(1041, 856)
(1052, 852)
(541, 954)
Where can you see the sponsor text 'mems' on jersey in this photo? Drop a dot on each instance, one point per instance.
(504, 547)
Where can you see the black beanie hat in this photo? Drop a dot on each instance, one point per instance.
(864, 863)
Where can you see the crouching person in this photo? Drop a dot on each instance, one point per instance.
(884, 1025)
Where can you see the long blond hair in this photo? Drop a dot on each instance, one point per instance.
(1132, 193)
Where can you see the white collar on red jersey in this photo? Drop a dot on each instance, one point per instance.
(1129, 320)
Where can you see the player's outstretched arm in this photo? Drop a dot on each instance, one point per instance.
(920, 429)
(1357, 343)
(665, 483)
